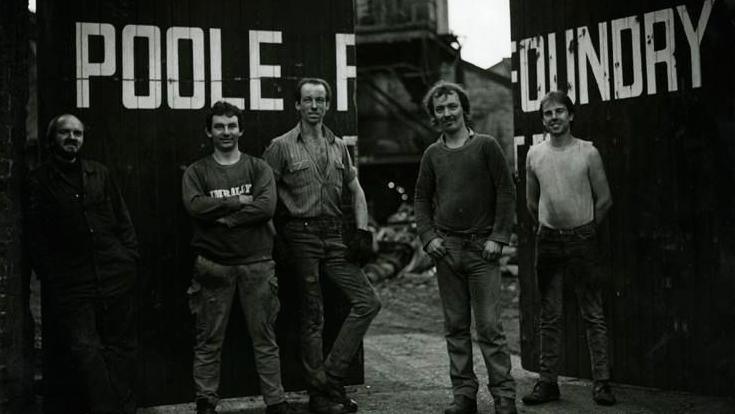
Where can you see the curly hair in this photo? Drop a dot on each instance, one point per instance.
(443, 88)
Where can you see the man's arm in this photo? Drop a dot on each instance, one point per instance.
(349, 178)
(263, 206)
(200, 205)
(423, 201)
(125, 228)
(600, 188)
(359, 203)
(533, 190)
(505, 194)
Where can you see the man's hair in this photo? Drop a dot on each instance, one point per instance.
(221, 108)
(312, 81)
(53, 125)
(443, 88)
(558, 97)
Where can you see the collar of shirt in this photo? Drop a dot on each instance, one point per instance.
(295, 134)
(443, 140)
(59, 169)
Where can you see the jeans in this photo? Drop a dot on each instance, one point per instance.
(468, 283)
(211, 295)
(570, 254)
(94, 344)
(316, 244)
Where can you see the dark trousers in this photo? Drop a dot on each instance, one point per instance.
(90, 354)
(211, 295)
(315, 244)
(570, 256)
(470, 284)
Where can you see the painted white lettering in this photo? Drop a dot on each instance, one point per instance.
(344, 71)
(598, 64)
(553, 84)
(215, 70)
(258, 71)
(695, 37)
(571, 78)
(175, 99)
(665, 55)
(537, 44)
(85, 69)
(129, 98)
(617, 27)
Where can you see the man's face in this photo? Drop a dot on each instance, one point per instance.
(313, 104)
(225, 132)
(69, 137)
(556, 118)
(448, 112)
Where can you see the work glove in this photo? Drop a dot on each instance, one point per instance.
(360, 248)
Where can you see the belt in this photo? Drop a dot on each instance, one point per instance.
(321, 220)
(466, 236)
(568, 231)
(315, 219)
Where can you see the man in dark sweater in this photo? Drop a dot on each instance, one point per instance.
(231, 198)
(84, 251)
(464, 204)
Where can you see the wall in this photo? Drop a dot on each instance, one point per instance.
(16, 332)
(144, 99)
(654, 92)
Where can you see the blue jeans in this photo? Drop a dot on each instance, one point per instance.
(570, 254)
(315, 245)
(468, 283)
(211, 295)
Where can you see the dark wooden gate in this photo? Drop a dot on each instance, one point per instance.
(141, 74)
(655, 92)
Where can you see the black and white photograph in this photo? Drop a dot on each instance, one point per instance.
(367, 206)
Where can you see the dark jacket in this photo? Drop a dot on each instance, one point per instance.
(81, 240)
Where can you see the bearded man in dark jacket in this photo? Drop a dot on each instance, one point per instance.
(84, 250)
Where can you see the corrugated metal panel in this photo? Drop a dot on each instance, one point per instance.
(149, 137)
(659, 104)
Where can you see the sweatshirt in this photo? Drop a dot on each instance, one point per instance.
(465, 190)
(224, 230)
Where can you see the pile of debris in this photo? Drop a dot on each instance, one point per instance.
(399, 250)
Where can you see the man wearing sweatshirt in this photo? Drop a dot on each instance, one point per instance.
(231, 198)
(464, 203)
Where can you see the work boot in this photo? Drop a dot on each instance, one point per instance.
(543, 391)
(462, 405)
(602, 394)
(505, 405)
(205, 407)
(321, 404)
(337, 393)
(281, 408)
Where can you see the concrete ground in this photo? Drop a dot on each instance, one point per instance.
(406, 367)
(407, 373)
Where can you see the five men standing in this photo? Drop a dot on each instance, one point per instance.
(568, 196)
(312, 169)
(464, 204)
(231, 197)
(84, 250)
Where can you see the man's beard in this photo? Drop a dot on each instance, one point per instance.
(67, 155)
